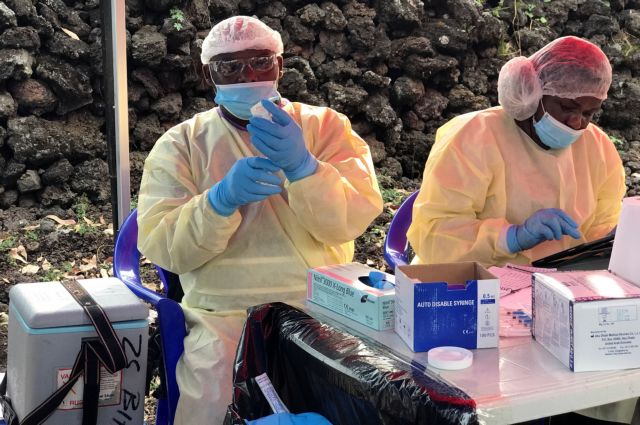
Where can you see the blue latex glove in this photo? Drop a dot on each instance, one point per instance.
(291, 419)
(248, 180)
(282, 142)
(543, 225)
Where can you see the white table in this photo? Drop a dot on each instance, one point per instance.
(519, 381)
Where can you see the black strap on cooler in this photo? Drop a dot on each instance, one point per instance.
(105, 350)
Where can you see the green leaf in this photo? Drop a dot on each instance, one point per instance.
(543, 20)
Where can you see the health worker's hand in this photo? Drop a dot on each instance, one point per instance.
(248, 180)
(543, 225)
(281, 141)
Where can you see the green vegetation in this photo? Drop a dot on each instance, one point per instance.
(10, 242)
(178, 18)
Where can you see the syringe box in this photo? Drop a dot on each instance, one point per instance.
(342, 288)
(447, 304)
(46, 329)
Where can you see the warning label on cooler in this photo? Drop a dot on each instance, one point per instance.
(110, 389)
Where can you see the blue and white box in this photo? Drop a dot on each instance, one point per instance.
(447, 304)
(343, 288)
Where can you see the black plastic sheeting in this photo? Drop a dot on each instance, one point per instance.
(316, 367)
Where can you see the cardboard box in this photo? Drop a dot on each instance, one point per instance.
(342, 288)
(447, 304)
(590, 320)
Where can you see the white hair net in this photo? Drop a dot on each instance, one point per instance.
(569, 67)
(240, 33)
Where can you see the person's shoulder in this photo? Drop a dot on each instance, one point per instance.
(306, 111)
(597, 139)
(180, 132)
(472, 125)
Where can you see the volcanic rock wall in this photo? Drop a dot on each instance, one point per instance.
(398, 68)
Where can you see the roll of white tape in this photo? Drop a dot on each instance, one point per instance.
(450, 358)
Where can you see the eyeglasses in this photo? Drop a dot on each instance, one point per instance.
(233, 67)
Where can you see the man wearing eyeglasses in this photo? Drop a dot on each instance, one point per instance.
(241, 206)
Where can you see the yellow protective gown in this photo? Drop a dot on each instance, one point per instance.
(261, 252)
(484, 174)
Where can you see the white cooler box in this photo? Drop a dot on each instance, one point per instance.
(46, 328)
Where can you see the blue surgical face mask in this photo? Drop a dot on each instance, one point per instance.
(239, 98)
(553, 133)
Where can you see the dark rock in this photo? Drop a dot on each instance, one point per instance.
(476, 80)
(598, 24)
(56, 195)
(593, 7)
(170, 80)
(8, 107)
(134, 91)
(82, 136)
(334, 20)
(28, 200)
(29, 182)
(378, 111)
(461, 99)
(68, 17)
(292, 83)
(354, 9)
(631, 21)
(177, 32)
(221, 9)
(58, 173)
(12, 172)
(403, 47)
(177, 62)
(412, 151)
(194, 106)
(20, 38)
(168, 107)
(362, 128)
(317, 57)
(8, 198)
(335, 44)
(149, 81)
(161, 5)
(371, 79)
(148, 46)
(7, 17)
(147, 131)
(29, 139)
(621, 110)
(378, 152)
(67, 47)
(447, 37)
(311, 14)
(490, 30)
(337, 70)
(303, 66)
(345, 99)
(399, 14)
(411, 121)
(361, 32)
(69, 83)
(15, 63)
(92, 178)
(431, 105)
(406, 90)
(426, 68)
(23, 9)
(133, 24)
(391, 167)
(298, 31)
(274, 9)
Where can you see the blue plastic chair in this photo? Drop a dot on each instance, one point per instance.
(396, 246)
(126, 266)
